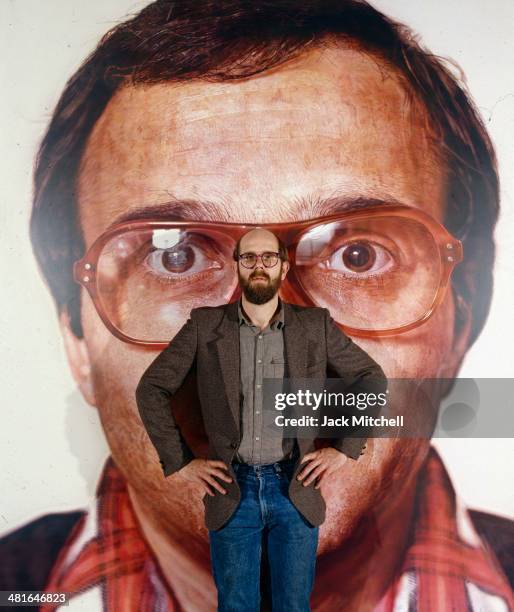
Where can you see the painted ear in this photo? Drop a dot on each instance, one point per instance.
(78, 359)
(285, 269)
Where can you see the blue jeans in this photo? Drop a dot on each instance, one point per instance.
(265, 511)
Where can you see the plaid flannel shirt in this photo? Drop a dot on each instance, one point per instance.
(106, 564)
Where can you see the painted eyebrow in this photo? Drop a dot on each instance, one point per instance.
(198, 210)
(176, 210)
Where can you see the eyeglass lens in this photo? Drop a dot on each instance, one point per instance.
(374, 273)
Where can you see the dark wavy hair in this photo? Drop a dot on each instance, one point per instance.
(221, 40)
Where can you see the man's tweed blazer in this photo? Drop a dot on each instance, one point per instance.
(315, 347)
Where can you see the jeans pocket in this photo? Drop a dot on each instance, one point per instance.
(285, 474)
(242, 475)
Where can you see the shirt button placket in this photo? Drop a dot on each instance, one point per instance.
(258, 395)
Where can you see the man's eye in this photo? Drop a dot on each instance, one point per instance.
(181, 260)
(358, 258)
(178, 260)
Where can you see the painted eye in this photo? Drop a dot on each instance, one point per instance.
(358, 257)
(178, 260)
(191, 255)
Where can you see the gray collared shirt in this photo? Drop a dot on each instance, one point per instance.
(262, 356)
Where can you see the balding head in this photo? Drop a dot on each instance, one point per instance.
(258, 240)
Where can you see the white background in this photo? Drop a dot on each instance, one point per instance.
(52, 445)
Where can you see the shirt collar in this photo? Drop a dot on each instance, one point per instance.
(276, 321)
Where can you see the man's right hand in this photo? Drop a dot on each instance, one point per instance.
(202, 472)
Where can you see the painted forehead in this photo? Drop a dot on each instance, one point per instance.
(265, 149)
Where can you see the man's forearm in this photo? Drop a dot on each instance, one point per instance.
(158, 384)
(360, 373)
(373, 381)
(155, 410)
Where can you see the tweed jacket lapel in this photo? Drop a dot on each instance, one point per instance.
(295, 343)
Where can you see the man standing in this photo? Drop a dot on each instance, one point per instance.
(264, 340)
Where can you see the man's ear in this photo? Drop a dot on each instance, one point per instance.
(78, 358)
(285, 268)
(462, 330)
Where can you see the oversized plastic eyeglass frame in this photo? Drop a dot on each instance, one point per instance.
(450, 251)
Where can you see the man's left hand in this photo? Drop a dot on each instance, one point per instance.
(322, 462)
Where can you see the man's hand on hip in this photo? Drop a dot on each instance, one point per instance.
(321, 463)
(202, 472)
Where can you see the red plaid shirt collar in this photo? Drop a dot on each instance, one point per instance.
(446, 567)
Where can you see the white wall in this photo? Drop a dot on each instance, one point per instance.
(52, 446)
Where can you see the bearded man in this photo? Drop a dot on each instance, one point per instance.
(265, 495)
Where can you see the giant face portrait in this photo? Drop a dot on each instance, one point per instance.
(255, 164)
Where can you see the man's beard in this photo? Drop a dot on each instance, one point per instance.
(260, 292)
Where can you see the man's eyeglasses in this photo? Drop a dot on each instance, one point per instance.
(380, 270)
(269, 259)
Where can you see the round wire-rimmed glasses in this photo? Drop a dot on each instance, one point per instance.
(381, 270)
